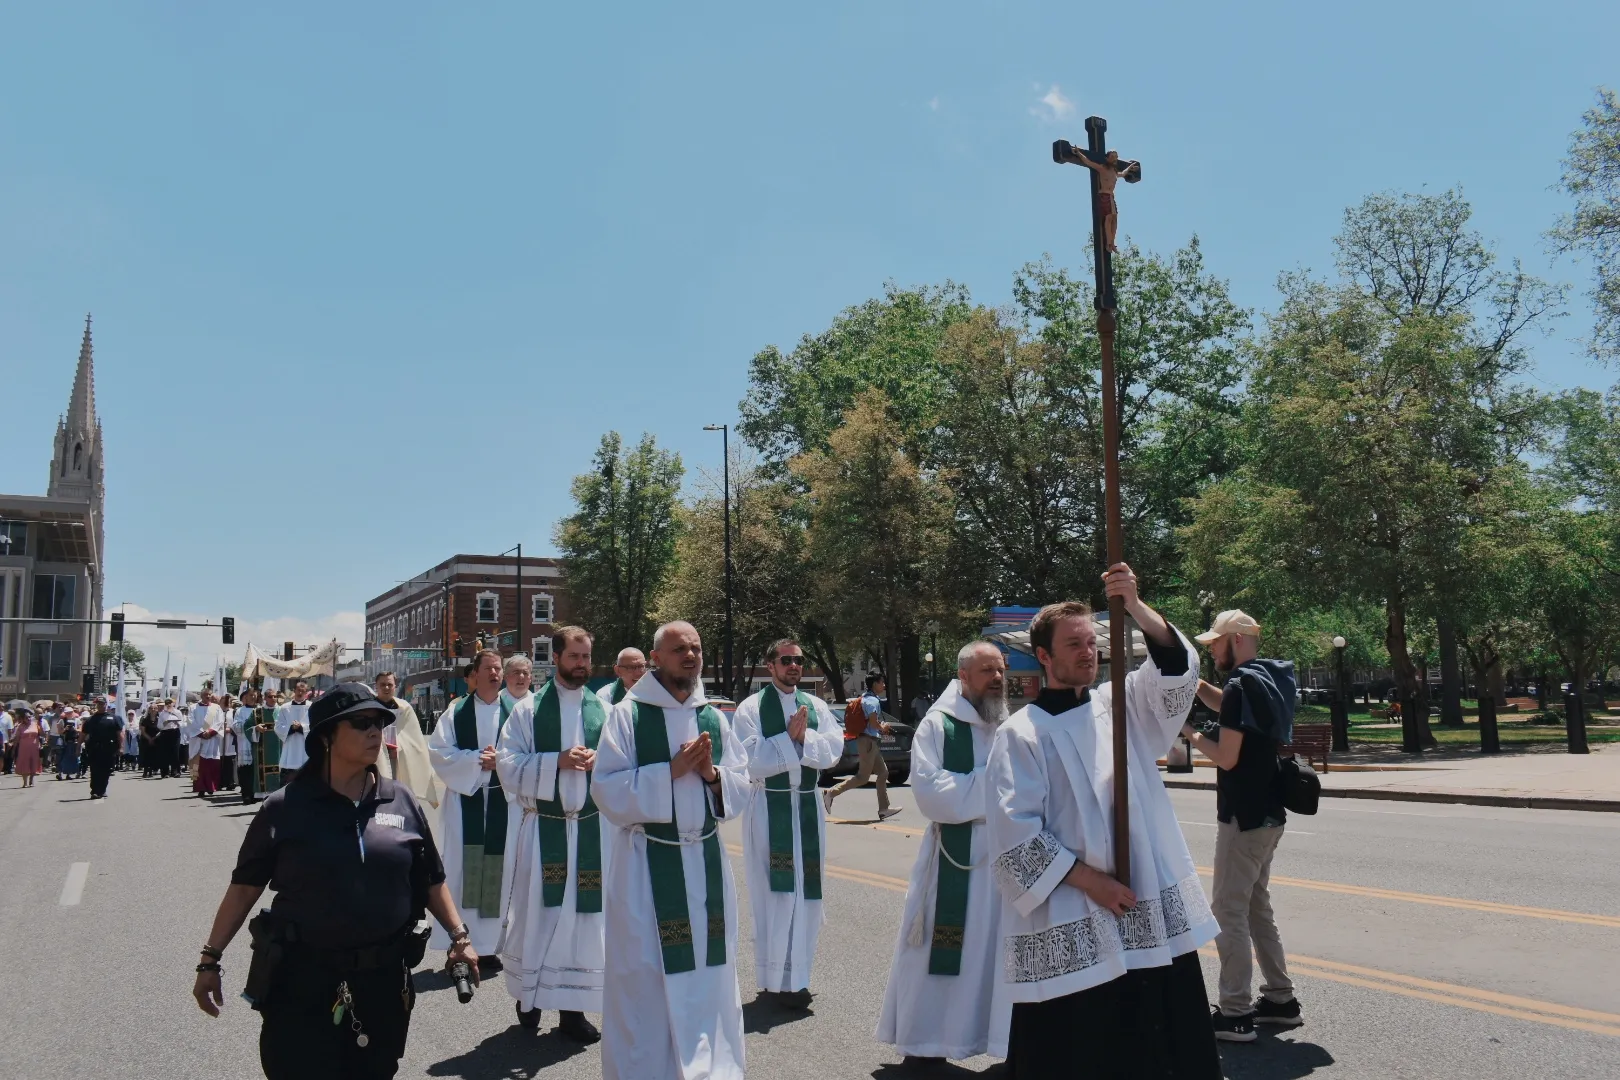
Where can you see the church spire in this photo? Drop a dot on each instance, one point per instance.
(81, 414)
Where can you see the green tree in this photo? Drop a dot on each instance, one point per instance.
(796, 400)
(1592, 178)
(619, 544)
(1575, 591)
(134, 658)
(1178, 366)
(879, 539)
(770, 590)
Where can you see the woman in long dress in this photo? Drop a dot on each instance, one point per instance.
(67, 765)
(27, 735)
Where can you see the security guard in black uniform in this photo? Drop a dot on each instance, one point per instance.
(353, 865)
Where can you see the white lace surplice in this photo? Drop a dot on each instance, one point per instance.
(1052, 804)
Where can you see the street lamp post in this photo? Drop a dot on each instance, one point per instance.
(725, 493)
(1206, 603)
(517, 607)
(1341, 701)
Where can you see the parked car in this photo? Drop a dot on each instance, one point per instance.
(896, 750)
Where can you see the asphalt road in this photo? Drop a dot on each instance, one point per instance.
(1426, 941)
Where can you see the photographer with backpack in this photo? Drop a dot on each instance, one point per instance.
(1256, 709)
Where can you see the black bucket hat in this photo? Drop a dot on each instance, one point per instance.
(344, 699)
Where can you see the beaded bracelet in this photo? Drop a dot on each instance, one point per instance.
(215, 968)
(209, 950)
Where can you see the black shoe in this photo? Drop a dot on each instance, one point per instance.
(529, 1018)
(794, 999)
(1233, 1028)
(1287, 1014)
(912, 1061)
(576, 1027)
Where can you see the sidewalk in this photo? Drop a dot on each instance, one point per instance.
(1544, 778)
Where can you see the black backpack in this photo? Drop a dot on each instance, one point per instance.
(1300, 787)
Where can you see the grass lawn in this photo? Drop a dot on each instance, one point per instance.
(1511, 727)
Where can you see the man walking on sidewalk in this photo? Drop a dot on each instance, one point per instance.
(867, 730)
(1257, 715)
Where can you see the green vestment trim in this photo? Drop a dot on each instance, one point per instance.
(779, 797)
(619, 690)
(664, 851)
(956, 842)
(483, 822)
(554, 820)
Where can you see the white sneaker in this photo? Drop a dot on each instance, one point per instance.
(889, 813)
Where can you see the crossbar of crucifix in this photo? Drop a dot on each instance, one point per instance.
(1095, 160)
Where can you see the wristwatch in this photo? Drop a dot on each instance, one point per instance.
(460, 934)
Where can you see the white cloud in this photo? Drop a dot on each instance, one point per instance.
(1052, 106)
(199, 648)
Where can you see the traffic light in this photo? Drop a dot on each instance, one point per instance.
(117, 626)
(286, 650)
(367, 653)
(89, 684)
(227, 630)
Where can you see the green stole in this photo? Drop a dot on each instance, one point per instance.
(619, 690)
(554, 820)
(664, 854)
(956, 844)
(779, 803)
(483, 822)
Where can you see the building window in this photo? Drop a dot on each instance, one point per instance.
(543, 608)
(50, 661)
(53, 596)
(13, 538)
(542, 650)
(489, 607)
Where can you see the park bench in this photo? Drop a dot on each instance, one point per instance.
(1311, 741)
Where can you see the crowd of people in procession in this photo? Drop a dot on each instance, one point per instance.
(567, 840)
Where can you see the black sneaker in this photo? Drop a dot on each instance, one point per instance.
(1233, 1028)
(1267, 1011)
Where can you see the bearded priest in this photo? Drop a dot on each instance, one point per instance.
(476, 820)
(1102, 976)
(668, 770)
(789, 737)
(552, 951)
(943, 978)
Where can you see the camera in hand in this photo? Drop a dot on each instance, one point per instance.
(462, 974)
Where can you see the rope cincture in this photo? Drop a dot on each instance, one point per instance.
(917, 933)
(687, 839)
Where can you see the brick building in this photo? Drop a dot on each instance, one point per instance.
(413, 627)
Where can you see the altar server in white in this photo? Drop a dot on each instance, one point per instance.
(668, 769)
(1096, 970)
(942, 982)
(789, 737)
(292, 724)
(476, 820)
(205, 733)
(553, 950)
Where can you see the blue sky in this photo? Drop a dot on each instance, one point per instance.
(370, 280)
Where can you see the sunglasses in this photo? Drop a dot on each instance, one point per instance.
(793, 660)
(365, 721)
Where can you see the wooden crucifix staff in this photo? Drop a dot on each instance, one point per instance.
(1106, 169)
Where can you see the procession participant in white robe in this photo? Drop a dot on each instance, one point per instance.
(207, 735)
(413, 765)
(942, 982)
(552, 952)
(247, 734)
(167, 747)
(517, 678)
(668, 769)
(227, 744)
(292, 724)
(1102, 978)
(630, 666)
(476, 818)
(789, 736)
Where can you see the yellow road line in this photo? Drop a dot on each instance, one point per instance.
(1490, 907)
(1465, 997)
(1487, 906)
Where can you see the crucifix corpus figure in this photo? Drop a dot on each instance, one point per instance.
(1108, 171)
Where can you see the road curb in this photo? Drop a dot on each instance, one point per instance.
(1469, 798)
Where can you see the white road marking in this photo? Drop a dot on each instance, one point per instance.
(73, 887)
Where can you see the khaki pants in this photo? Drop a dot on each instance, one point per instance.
(1242, 906)
(870, 764)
